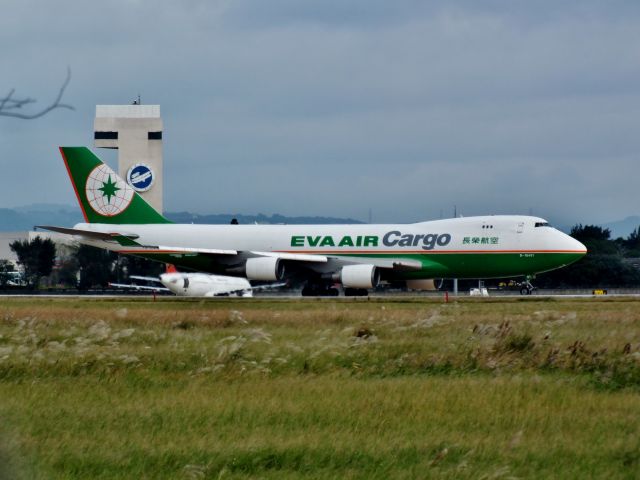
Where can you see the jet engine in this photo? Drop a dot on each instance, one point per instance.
(264, 268)
(360, 276)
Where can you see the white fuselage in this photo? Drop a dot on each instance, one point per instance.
(507, 245)
(513, 233)
(204, 285)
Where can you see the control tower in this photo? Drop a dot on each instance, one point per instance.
(136, 132)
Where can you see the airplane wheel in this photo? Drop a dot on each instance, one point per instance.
(525, 291)
(333, 292)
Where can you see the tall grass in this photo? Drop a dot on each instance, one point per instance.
(600, 341)
(403, 389)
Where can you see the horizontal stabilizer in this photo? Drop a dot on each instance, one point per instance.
(88, 233)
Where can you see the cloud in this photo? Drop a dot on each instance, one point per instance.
(332, 108)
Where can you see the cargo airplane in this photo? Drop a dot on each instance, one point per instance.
(358, 257)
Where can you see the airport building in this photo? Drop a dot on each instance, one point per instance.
(136, 132)
(7, 238)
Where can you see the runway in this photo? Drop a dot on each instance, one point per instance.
(430, 297)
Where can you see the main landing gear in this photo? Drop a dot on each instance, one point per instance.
(319, 289)
(526, 288)
(313, 289)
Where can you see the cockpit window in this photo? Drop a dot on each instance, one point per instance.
(542, 224)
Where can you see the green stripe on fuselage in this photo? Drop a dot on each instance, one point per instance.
(479, 265)
(434, 265)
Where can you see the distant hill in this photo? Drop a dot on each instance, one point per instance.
(223, 218)
(24, 218)
(622, 228)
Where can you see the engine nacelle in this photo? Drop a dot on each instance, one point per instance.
(360, 276)
(264, 268)
(423, 284)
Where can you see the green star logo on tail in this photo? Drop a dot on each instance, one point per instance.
(109, 189)
(107, 194)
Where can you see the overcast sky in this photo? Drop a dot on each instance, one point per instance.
(334, 107)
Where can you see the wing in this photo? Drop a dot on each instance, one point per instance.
(146, 279)
(139, 287)
(268, 286)
(130, 246)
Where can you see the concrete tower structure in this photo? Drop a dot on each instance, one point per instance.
(136, 131)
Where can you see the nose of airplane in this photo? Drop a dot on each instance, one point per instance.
(578, 246)
(573, 247)
(168, 278)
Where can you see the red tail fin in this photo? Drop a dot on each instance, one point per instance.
(171, 268)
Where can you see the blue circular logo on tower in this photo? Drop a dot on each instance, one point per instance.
(140, 177)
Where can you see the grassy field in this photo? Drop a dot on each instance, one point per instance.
(319, 389)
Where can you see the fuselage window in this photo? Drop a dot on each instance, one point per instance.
(542, 224)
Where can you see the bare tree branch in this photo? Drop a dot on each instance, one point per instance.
(9, 105)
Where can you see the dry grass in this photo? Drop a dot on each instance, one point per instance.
(238, 389)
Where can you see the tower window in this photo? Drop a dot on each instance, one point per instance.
(155, 136)
(105, 135)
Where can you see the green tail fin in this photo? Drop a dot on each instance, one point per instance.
(104, 197)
